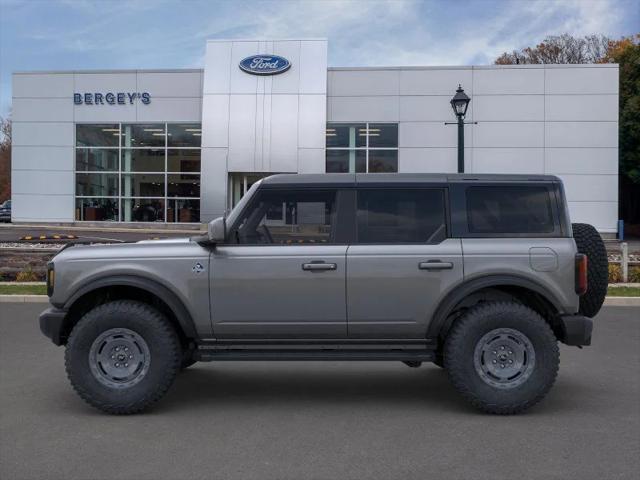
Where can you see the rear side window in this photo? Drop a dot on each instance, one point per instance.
(401, 216)
(509, 209)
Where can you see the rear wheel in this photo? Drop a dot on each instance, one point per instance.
(589, 242)
(502, 357)
(122, 356)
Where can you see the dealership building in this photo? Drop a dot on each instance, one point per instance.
(182, 146)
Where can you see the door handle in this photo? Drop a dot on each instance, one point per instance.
(435, 265)
(319, 266)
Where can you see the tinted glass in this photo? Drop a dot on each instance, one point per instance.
(143, 160)
(509, 209)
(103, 135)
(183, 185)
(96, 159)
(143, 135)
(346, 135)
(338, 161)
(183, 161)
(184, 211)
(383, 135)
(383, 161)
(287, 218)
(143, 185)
(401, 216)
(184, 135)
(142, 210)
(97, 184)
(96, 209)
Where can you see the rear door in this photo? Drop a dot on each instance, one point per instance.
(401, 263)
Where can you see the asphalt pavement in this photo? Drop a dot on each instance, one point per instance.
(343, 420)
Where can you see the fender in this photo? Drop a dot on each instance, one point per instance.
(466, 288)
(167, 296)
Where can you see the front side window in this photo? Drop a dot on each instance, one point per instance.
(362, 148)
(509, 209)
(279, 217)
(401, 216)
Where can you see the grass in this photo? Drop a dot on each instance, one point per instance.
(23, 289)
(624, 292)
(42, 290)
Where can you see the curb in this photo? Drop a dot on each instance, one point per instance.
(608, 301)
(123, 229)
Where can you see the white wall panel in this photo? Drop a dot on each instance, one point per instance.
(429, 160)
(213, 189)
(242, 132)
(312, 121)
(602, 215)
(43, 85)
(573, 80)
(171, 110)
(241, 82)
(311, 160)
(511, 108)
(431, 134)
(353, 83)
(435, 81)
(40, 208)
(42, 110)
(42, 181)
(284, 133)
(217, 76)
(313, 67)
(508, 134)
(592, 188)
(106, 82)
(289, 81)
(581, 134)
(105, 113)
(358, 109)
(428, 109)
(42, 158)
(508, 81)
(44, 134)
(596, 161)
(170, 84)
(508, 160)
(215, 121)
(581, 108)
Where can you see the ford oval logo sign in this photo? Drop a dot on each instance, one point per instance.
(265, 64)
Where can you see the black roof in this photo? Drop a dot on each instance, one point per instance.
(399, 178)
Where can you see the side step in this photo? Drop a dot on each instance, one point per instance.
(414, 355)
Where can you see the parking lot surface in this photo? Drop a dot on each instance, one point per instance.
(343, 420)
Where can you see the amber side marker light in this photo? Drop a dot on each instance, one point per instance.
(581, 273)
(51, 278)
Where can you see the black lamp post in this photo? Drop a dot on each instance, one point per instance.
(460, 103)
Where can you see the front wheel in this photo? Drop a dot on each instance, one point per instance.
(122, 356)
(502, 357)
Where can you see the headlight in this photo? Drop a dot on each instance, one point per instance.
(51, 278)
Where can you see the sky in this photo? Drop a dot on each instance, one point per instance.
(114, 34)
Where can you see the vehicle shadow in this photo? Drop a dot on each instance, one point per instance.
(240, 384)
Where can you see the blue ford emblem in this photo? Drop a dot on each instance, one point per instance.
(265, 64)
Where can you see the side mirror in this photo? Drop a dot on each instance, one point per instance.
(217, 230)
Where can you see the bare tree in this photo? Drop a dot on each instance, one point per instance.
(560, 49)
(5, 159)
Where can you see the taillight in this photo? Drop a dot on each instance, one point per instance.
(51, 278)
(581, 273)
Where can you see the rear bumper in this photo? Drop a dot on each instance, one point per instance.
(52, 323)
(576, 330)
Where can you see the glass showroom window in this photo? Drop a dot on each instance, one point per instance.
(362, 147)
(138, 172)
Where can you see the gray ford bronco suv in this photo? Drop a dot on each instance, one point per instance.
(480, 274)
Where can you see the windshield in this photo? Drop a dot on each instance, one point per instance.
(6, 204)
(233, 215)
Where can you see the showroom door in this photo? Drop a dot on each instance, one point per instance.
(281, 273)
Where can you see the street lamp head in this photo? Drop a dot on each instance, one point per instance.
(460, 102)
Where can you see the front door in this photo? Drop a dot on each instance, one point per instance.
(282, 272)
(401, 263)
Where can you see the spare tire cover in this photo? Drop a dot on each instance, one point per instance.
(589, 242)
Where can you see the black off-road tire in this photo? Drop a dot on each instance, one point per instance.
(589, 242)
(162, 346)
(470, 330)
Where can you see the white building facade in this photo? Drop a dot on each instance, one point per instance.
(182, 146)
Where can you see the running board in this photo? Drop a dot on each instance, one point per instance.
(413, 355)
